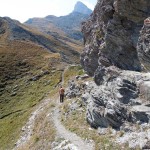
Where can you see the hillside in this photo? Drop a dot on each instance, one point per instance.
(31, 65)
(107, 102)
(69, 25)
(65, 47)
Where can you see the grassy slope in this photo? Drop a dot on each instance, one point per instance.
(69, 25)
(44, 131)
(44, 25)
(67, 46)
(19, 62)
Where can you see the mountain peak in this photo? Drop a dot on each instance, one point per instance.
(82, 8)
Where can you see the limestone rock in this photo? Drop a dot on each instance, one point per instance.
(147, 145)
(111, 34)
(116, 100)
(73, 90)
(143, 47)
(120, 94)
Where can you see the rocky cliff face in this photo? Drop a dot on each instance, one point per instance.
(143, 46)
(111, 34)
(114, 56)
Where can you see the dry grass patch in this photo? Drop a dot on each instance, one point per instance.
(19, 62)
(44, 131)
(72, 72)
(76, 122)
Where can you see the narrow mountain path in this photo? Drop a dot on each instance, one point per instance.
(63, 74)
(75, 142)
(78, 142)
(27, 130)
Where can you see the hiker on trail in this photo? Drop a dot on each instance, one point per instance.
(61, 93)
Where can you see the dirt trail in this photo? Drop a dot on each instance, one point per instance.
(27, 131)
(79, 143)
(76, 142)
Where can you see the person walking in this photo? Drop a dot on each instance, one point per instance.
(61, 93)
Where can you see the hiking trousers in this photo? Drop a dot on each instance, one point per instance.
(61, 98)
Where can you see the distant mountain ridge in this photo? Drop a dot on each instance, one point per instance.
(69, 25)
(14, 30)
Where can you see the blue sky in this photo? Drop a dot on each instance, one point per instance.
(22, 10)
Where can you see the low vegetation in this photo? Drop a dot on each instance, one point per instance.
(76, 122)
(44, 131)
(31, 68)
(72, 72)
(26, 77)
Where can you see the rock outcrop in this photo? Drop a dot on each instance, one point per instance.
(143, 47)
(111, 34)
(121, 101)
(118, 99)
(113, 54)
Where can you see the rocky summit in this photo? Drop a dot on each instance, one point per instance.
(116, 54)
(81, 8)
(69, 25)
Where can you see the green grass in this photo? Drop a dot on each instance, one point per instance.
(21, 60)
(27, 97)
(14, 75)
(10, 127)
(44, 131)
(72, 72)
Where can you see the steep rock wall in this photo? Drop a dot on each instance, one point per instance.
(143, 46)
(115, 51)
(111, 34)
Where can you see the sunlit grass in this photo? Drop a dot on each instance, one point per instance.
(44, 131)
(72, 72)
(23, 61)
(20, 61)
